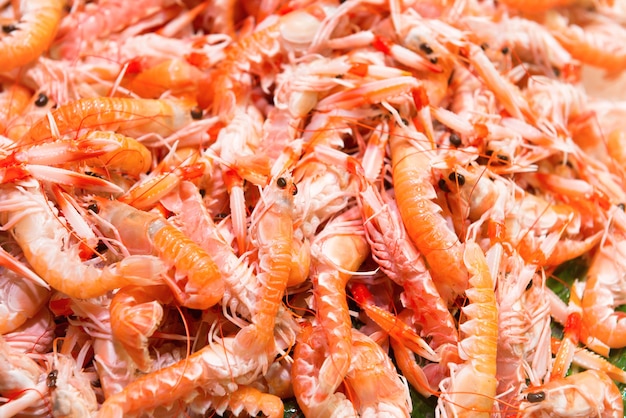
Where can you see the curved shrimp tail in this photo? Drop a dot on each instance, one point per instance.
(309, 354)
(135, 315)
(374, 380)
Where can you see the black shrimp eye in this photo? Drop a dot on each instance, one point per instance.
(434, 60)
(426, 48)
(41, 100)
(281, 182)
(9, 28)
(621, 206)
(93, 207)
(196, 113)
(455, 139)
(457, 178)
(294, 190)
(101, 247)
(443, 186)
(536, 397)
(505, 50)
(529, 285)
(51, 380)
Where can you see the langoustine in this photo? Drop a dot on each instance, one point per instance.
(453, 112)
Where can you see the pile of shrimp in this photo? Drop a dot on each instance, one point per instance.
(217, 207)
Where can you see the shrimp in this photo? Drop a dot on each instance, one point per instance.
(256, 54)
(374, 380)
(136, 312)
(98, 21)
(71, 392)
(604, 290)
(20, 300)
(590, 393)
(309, 355)
(115, 372)
(35, 335)
(215, 368)
(593, 43)
(239, 278)
(38, 161)
(523, 329)
(27, 39)
(339, 249)
(400, 261)
(22, 380)
(471, 388)
(175, 76)
(48, 248)
(145, 233)
(507, 93)
(131, 117)
(422, 216)
(132, 158)
(271, 231)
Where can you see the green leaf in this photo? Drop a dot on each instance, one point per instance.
(422, 407)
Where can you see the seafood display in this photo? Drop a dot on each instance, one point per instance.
(322, 209)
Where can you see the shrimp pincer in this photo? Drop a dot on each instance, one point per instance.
(145, 233)
(132, 117)
(27, 39)
(48, 248)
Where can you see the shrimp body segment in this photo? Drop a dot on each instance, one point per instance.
(375, 381)
(472, 388)
(215, 369)
(422, 216)
(132, 117)
(145, 233)
(33, 34)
